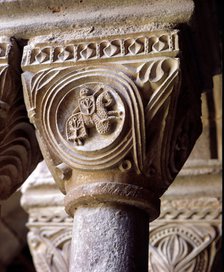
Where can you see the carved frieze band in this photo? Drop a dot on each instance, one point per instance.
(207, 209)
(19, 152)
(154, 44)
(172, 247)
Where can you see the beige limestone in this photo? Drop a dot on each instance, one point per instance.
(25, 19)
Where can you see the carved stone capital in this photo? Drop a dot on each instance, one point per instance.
(106, 113)
(19, 152)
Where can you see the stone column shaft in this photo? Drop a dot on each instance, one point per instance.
(111, 238)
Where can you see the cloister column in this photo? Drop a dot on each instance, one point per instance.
(116, 113)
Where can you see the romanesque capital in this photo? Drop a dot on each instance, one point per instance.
(19, 151)
(114, 116)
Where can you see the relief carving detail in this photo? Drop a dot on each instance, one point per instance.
(94, 110)
(110, 109)
(176, 247)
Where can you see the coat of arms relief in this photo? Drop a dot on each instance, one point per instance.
(94, 110)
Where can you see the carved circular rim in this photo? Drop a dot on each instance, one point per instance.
(106, 157)
(112, 192)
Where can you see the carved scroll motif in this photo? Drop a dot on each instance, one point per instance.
(121, 89)
(19, 151)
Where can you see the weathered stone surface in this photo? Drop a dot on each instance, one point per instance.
(111, 238)
(25, 18)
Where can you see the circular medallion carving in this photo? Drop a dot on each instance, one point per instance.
(97, 116)
(89, 118)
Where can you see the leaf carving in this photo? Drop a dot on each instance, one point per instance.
(179, 249)
(50, 252)
(151, 71)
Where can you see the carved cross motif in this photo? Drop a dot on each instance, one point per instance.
(94, 110)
